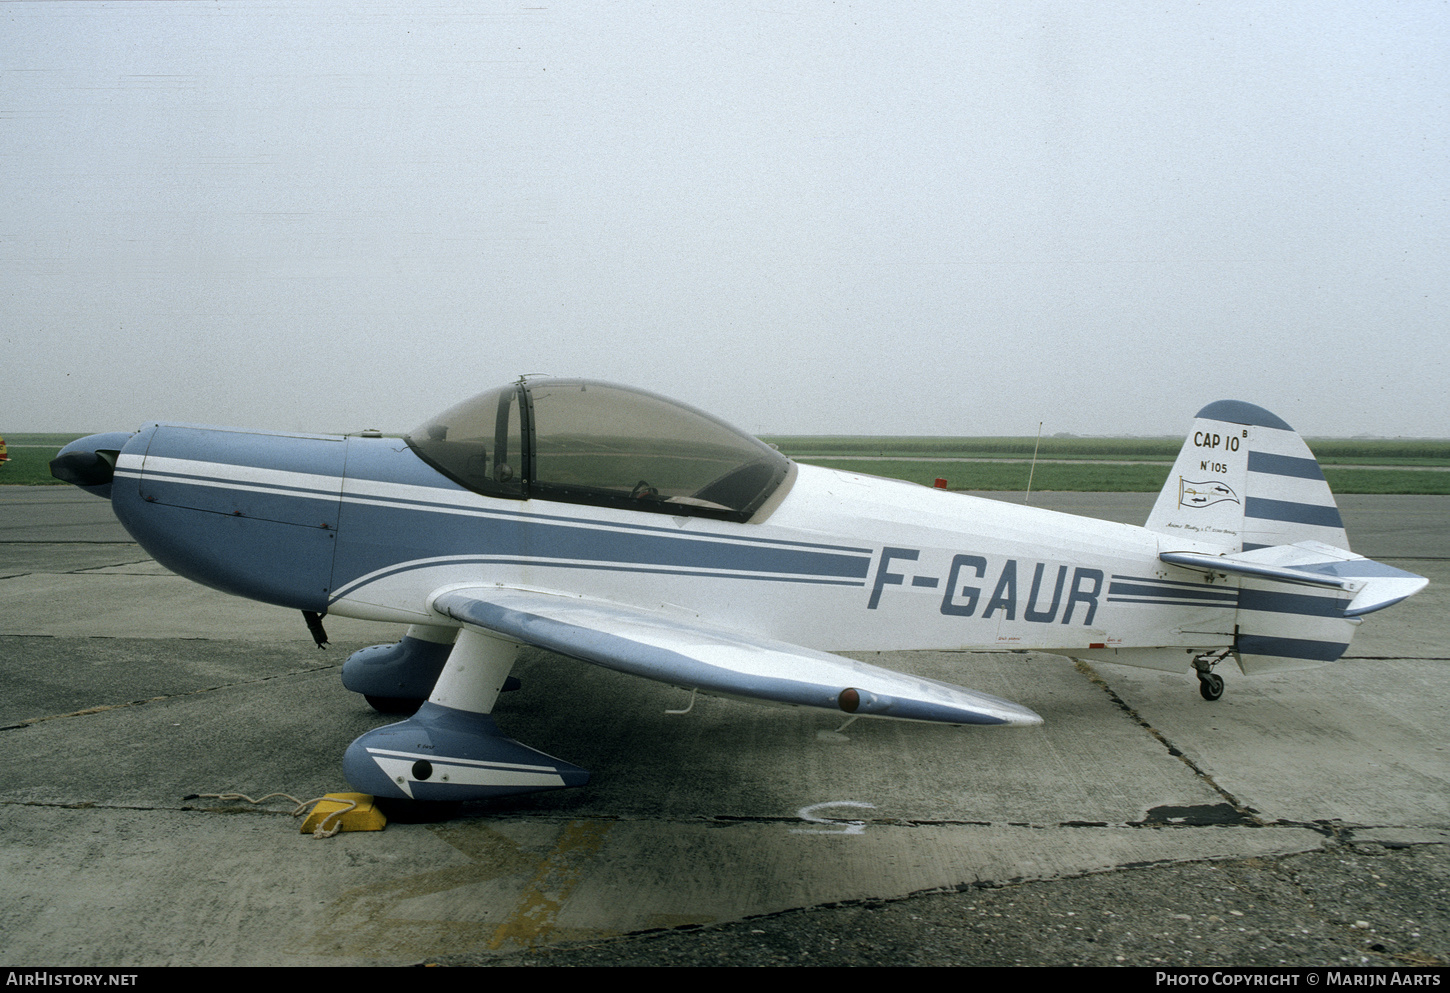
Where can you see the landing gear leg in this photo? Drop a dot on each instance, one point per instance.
(1210, 683)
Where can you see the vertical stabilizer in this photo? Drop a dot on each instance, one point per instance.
(1244, 480)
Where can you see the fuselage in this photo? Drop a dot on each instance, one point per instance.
(362, 527)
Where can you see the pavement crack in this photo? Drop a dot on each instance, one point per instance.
(102, 708)
(1248, 814)
(185, 807)
(96, 569)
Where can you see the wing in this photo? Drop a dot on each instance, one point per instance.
(716, 661)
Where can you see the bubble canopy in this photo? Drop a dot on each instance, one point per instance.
(580, 441)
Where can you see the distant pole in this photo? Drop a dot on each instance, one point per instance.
(1031, 472)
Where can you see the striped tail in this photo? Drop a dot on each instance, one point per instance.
(1246, 482)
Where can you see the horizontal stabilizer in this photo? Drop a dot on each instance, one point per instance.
(682, 653)
(1374, 584)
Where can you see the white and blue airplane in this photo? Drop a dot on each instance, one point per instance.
(625, 529)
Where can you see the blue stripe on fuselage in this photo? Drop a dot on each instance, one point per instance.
(631, 568)
(1139, 586)
(1169, 592)
(372, 538)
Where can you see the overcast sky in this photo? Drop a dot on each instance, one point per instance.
(896, 218)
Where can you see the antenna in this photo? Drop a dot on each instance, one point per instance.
(1031, 472)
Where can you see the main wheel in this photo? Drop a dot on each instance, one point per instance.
(393, 704)
(1210, 686)
(417, 811)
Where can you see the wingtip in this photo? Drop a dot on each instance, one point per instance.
(1025, 718)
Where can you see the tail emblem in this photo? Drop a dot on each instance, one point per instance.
(1191, 494)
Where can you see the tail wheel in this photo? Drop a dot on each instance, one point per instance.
(1210, 686)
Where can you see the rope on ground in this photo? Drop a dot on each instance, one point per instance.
(326, 828)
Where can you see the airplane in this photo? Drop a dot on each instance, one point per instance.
(637, 533)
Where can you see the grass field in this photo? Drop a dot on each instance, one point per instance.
(1347, 462)
(1113, 478)
(1329, 451)
(923, 460)
(31, 466)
